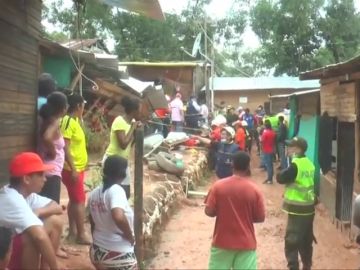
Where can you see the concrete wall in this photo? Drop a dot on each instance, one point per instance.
(254, 97)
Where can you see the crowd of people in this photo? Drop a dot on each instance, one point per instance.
(31, 220)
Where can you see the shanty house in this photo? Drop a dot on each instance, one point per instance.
(304, 122)
(20, 25)
(339, 148)
(252, 92)
(188, 76)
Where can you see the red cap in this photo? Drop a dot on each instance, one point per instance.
(27, 163)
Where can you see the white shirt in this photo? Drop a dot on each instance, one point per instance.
(204, 111)
(17, 212)
(107, 234)
(177, 107)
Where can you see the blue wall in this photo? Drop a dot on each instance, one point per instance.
(309, 130)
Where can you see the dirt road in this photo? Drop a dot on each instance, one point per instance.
(186, 240)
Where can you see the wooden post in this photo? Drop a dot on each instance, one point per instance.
(138, 195)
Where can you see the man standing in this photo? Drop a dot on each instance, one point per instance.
(35, 219)
(236, 203)
(177, 113)
(299, 203)
(281, 138)
(268, 139)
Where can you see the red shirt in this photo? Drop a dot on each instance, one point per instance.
(268, 140)
(238, 204)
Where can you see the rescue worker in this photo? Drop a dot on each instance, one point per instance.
(299, 204)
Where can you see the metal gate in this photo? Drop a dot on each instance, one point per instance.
(345, 170)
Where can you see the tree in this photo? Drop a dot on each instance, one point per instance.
(287, 32)
(340, 29)
(301, 35)
(139, 38)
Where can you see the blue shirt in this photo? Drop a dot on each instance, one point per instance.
(249, 118)
(225, 151)
(41, 101)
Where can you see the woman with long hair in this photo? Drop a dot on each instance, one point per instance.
(74, 168)
(51, 144)
(122, 135)
(111, 219)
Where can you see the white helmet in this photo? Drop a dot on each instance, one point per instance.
(230, 130)
(244, 123)
(219, 120)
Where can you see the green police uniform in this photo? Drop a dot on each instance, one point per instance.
(299, 203)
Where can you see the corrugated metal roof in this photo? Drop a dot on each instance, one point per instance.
(299, 93)
(333, 69)
(77, 44)
(137, 85)
(261, 83)
(148, 8)
(162, 64)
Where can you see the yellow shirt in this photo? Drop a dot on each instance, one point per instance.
(114, 147)
(72, 131)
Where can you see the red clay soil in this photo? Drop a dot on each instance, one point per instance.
(185, 241)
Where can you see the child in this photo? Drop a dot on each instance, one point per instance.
(225, 150)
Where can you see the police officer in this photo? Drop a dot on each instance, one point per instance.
(299, 204)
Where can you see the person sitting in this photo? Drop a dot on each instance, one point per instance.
(111, 219)
(35, 219)
(5, 247)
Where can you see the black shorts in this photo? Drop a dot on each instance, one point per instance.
(52, 188)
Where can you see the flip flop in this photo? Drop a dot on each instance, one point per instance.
(83, 242)
(62, 254)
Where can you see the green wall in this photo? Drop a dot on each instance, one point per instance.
(60, 68)
(309, 130)
(293, 112)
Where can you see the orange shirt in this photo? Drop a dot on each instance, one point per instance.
(240, 138)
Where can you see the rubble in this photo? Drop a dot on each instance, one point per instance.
(167, 190)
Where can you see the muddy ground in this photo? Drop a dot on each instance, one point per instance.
(185, 241)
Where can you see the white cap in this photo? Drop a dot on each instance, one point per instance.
(219, 120)
(244, 123)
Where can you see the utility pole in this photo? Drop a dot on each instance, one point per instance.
(206, 75)
(212, 73)
(138, 195)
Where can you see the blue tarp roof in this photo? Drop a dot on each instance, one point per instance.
(261, 83)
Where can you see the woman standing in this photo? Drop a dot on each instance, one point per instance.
(111, 219)
(122, 135)
(51, 145)
(74, 168)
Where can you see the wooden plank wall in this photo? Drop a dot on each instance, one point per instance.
(20, 23)
(338, 99)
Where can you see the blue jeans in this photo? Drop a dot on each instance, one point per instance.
(268, 160)
(178, 125)
(282, 155)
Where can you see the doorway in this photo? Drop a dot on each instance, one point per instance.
(345, 170)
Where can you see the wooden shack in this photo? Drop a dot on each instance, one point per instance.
(20, 25)
(339, 135)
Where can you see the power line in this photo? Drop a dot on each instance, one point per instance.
(219, 52)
